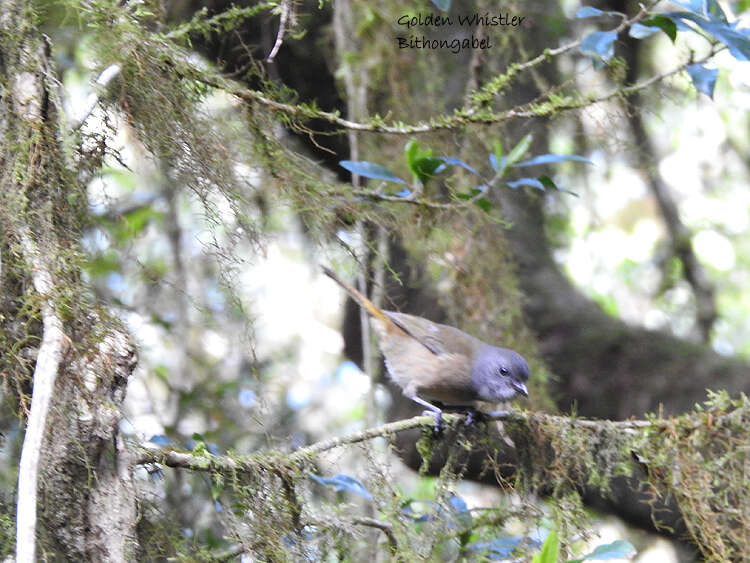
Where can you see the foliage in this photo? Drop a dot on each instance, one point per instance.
(277, 506)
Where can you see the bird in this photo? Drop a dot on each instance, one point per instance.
(440, 363)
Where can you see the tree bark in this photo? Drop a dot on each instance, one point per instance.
(74, 467)
(608, 369)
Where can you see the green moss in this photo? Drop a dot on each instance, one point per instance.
(7, 533)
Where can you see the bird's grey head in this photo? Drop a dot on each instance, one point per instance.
(499, 374)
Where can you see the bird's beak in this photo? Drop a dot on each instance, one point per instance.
(521, 388)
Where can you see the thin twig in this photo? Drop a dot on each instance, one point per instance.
(104, 78)
(45, 373)
(386, 528)
(286, 8)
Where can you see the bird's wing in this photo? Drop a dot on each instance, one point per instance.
(437, 338)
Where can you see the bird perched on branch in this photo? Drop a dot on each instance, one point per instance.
(436, 362)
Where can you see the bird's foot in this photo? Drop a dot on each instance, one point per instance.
(439, 422)
(472, 416)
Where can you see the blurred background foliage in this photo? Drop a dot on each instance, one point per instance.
(209, 216)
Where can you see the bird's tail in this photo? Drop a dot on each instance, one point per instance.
(359, 298)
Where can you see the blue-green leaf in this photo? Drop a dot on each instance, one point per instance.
(640, 31)
(713, 11)
(601, 44)
(550, 158)
(457, 503)
(463, 515)
(342, 482)
(704, 79)
(456, 162)
(531, 182)
(709, 9)
(737, 43)
(159, 440)
(590, 12)
(619, 549)
(498, 548)
(498, 164)
(370, 170)
(444, 5)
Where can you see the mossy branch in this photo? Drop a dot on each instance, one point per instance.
(499, 83)
(229, 463)
(459, 118)
(691, 458)
(472, 113)
(223, 22)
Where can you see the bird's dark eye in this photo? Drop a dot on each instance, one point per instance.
(504, 371)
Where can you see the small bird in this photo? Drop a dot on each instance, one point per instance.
(442, 363)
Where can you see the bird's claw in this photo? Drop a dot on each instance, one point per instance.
(474, 416)
(439, 422)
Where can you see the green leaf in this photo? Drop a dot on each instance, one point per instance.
(162, 372)
(470, 194)
(420, 161)
(103, 264)
(663, 23)
(216, 489)
(550, 550)
(484, 204)
(138, 219)
(519, 150)
(414, 152)
(199, 448)
(547, 182)
(425, 168)
(497, 149)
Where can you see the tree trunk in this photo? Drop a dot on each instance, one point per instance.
(74, 467)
